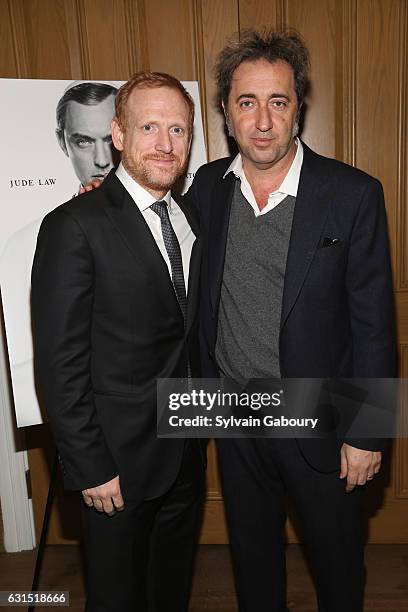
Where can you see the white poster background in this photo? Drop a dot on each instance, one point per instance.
(36, 176)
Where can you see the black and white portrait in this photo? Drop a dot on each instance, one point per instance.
(83, 116)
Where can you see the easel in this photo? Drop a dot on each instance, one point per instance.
(44, 528)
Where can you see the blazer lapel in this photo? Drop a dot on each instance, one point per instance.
(193, 284)
(221, 200)
(132, 227)
(311, 209)
(189, 211)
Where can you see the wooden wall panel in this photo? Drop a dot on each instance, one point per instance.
(78, 58)
(401, 454)
(345, 79)
(377, 86)
(213, 477)
(402, 194)
(171, 45)
(388, 498)
(219, 22)
(214, 523)
(21, 52)
(315, 20)
(401, 302)
(104, 33)
(8, 62)
(377, 104)
(42, 28)
(259, 14)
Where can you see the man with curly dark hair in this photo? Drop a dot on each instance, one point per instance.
(296, 283)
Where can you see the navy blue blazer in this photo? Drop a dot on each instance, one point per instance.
(338, 311)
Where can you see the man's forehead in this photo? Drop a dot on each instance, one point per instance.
(261, 71)
(83, 118)
(163, 100)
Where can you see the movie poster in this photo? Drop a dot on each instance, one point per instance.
(55, 139)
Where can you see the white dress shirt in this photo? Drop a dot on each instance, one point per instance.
(143, 200)
(289, 185)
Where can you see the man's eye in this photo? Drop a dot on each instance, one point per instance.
(246, 104)
(81, 143)
(280, 104)
(177, 130)
(147, 128)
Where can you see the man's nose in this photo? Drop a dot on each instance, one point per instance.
(164, 142)
(264, 120)
(102, 154)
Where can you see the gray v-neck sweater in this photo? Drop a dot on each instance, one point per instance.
(252, 288)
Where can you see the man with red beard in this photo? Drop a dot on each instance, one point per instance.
(113, 310)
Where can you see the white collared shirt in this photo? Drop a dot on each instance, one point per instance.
(143, 200)
(289, 185)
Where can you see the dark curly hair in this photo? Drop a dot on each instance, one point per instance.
(272, 45)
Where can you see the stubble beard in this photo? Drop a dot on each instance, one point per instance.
(155, 179)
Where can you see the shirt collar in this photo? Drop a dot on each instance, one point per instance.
(290, 183)
(142, 198)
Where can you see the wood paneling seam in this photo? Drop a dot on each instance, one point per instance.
(19, 36)
(74, 39)
(200, 65)
(83, 40)
(402, 178)
(281, 14)
(135, 38)
(349, 68)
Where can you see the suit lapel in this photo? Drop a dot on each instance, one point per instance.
(189, 211)
(193, 284)
(221, 200)
(132, 227)
(311, 209)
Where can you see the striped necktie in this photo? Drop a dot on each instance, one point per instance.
(173, 251)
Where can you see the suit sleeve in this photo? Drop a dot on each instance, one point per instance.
(371, 298)
(62, 301)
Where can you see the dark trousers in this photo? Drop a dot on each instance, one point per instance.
(140, 559)
(257, 475)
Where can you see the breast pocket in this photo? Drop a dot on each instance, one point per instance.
(330, 252)
(326, 276)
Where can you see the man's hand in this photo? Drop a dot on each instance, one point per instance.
(358, 465)
(106, 497)
(94, 184)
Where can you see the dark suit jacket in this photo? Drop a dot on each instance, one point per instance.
(106, 325)
(337, 311)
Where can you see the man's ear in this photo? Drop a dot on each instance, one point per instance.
(61, 140)
(117, 134)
